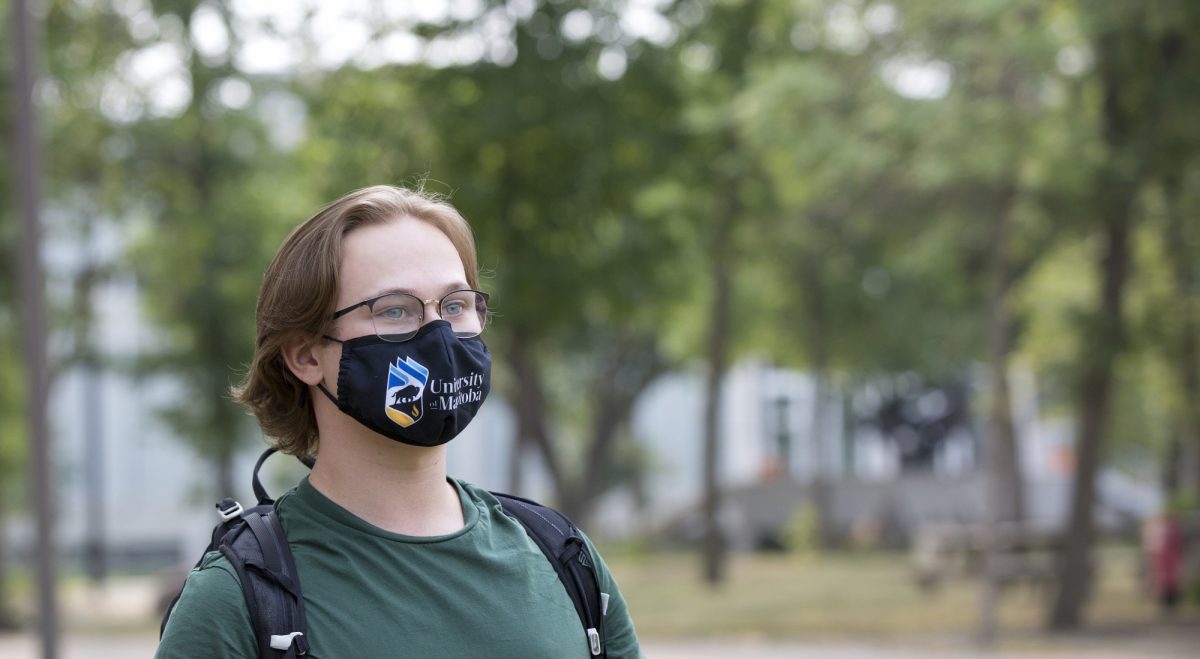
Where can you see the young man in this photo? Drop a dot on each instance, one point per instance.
(368, 352)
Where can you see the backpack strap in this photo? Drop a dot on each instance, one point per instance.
(567, 552)
(259, 552)
(254, 542)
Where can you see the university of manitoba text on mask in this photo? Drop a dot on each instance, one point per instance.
(449, 394)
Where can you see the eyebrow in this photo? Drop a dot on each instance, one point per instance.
(449, 288)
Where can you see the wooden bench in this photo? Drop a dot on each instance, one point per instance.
(1020, 554)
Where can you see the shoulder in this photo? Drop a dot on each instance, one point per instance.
(537, 518)
(211, 613)
(213, 578)
(476, 493)
(509, 504)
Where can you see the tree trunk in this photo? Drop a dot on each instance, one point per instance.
(95, 560)
(27, 39)
(818, 356)
(718, 356)
(714, 543)
(528, 402)
(623, 375)
(1187, 355)
(1075, 558)
(1172, 458)
(630, 369)
(8, 620)
(727, 172)
(1006, 491)
(1117, 184)
(523, 425)
(608, 414)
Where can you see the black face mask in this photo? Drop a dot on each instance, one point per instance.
(422, 391)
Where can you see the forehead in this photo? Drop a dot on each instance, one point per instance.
(402, 254)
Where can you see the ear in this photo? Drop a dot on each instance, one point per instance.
(302, 354)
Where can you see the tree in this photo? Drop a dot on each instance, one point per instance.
(897, 239)
(208, 177)
(1132, 45)
(566, 147)
(545, 154)
(1182, 340)
(715, 52)
(11, 433)
(78, 188)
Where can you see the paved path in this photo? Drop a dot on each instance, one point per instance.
(1161, 643)
(81, 647)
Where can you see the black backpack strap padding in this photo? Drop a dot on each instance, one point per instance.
(260, 555)
(564, 547)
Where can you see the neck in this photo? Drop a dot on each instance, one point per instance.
(396, 487)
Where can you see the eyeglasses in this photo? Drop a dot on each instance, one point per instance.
(398, 316)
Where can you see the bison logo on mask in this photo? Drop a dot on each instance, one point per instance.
(405, 391)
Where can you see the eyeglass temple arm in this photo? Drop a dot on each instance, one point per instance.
(342, 312)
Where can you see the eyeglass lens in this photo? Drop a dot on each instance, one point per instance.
(398, 316)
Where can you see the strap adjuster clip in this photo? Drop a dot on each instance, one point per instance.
(284, 642)
(228, 509)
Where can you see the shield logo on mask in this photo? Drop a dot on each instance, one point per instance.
(405, 391)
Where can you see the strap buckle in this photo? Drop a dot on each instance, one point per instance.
(594, 641)
(228, 509)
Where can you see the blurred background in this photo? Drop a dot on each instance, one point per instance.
(844, 327)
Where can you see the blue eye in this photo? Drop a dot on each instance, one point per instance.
(397, 309)
(392, 313)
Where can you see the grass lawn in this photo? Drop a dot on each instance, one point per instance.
(789, 597)
(847, 596)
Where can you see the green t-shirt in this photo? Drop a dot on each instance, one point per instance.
(483, 591)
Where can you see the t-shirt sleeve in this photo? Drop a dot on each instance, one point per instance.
(210, 619)
(621, 640)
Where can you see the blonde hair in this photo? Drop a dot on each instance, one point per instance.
(299, 291)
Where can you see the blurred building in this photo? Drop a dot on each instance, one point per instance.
(888, 456)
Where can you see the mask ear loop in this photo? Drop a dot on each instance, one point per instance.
(328, 395)
(321, 385)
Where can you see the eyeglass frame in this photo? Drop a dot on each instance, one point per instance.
(370, 304)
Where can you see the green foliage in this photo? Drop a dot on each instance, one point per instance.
(861, 210)
(549, 161)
